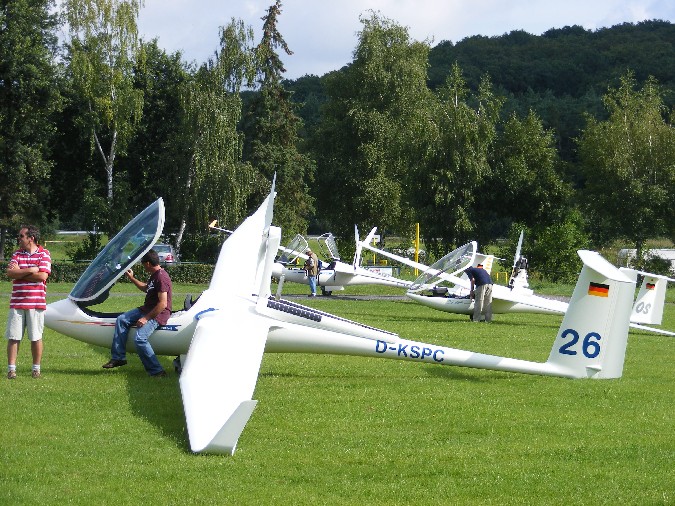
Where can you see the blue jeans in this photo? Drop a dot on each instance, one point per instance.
(143, 347)
(312, 283)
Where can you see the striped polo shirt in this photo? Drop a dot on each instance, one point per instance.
(30, 294)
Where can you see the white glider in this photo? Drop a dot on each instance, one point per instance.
(335, 275)
(224, 333)
(450, 293)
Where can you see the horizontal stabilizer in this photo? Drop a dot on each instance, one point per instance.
(225, 442)
(646, 328)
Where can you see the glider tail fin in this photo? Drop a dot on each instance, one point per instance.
(592, 339)
(359, 245)
(267, 261)
(651, 298)
(518, 248)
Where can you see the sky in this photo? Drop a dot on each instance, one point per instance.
(324, 34)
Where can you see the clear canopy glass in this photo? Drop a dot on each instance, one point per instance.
(122, 252)
(451, 264)
(297, 246)
(328, 245)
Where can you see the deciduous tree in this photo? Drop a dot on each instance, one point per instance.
(218, 183)
(29, 97)
(456, 166)
(104, 49)
(160, 149)
(369, 138)
(629, 163)
(527, 185)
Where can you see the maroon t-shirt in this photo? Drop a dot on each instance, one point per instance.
(159, 282)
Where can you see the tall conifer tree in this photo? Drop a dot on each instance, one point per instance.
(271, 130)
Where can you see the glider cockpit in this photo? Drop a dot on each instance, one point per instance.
(119, 255)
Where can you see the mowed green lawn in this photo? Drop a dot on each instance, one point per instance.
(348, 430)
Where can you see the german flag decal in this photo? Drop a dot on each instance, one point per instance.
(650, 286)
(598, 289)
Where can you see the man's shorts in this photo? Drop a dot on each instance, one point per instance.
(18, 320)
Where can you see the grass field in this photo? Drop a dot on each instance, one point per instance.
(348, 430)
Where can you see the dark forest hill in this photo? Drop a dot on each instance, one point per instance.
(567, 61)
(561, 74)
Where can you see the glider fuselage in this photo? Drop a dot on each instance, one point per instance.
(337, 279)
(462, 305)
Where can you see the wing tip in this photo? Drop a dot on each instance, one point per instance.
(224, 442)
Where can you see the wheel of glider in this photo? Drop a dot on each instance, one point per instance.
(177, 366)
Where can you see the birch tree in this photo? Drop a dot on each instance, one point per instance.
(104, 49)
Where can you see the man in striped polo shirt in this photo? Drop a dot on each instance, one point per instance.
(28, 269)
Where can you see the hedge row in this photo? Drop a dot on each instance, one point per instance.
(182, 273)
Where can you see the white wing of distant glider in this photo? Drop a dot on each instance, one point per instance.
(403, 260)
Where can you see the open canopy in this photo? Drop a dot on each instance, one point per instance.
(450, 265)
(328, 246)
(122, 252)
(296, 248)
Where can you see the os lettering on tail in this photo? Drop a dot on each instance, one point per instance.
(643, 308)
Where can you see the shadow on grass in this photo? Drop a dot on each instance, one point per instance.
(458, 373)
(448, 372)
(154, 400)
(158, 400)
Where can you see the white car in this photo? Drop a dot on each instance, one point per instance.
(167, 255)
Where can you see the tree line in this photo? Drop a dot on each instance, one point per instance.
(94, 129)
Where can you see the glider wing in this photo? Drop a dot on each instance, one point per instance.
(219, 377)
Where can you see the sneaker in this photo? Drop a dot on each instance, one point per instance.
(35, 374)
(114, 363)
(11, 375)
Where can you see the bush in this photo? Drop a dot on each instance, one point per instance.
(190, 273)
(181, 273)
(551, 250)
(86, 250)
(67, 272)
(654, 264)
(201, 248)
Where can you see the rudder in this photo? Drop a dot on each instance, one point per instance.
(651, 298)
(592, 338)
